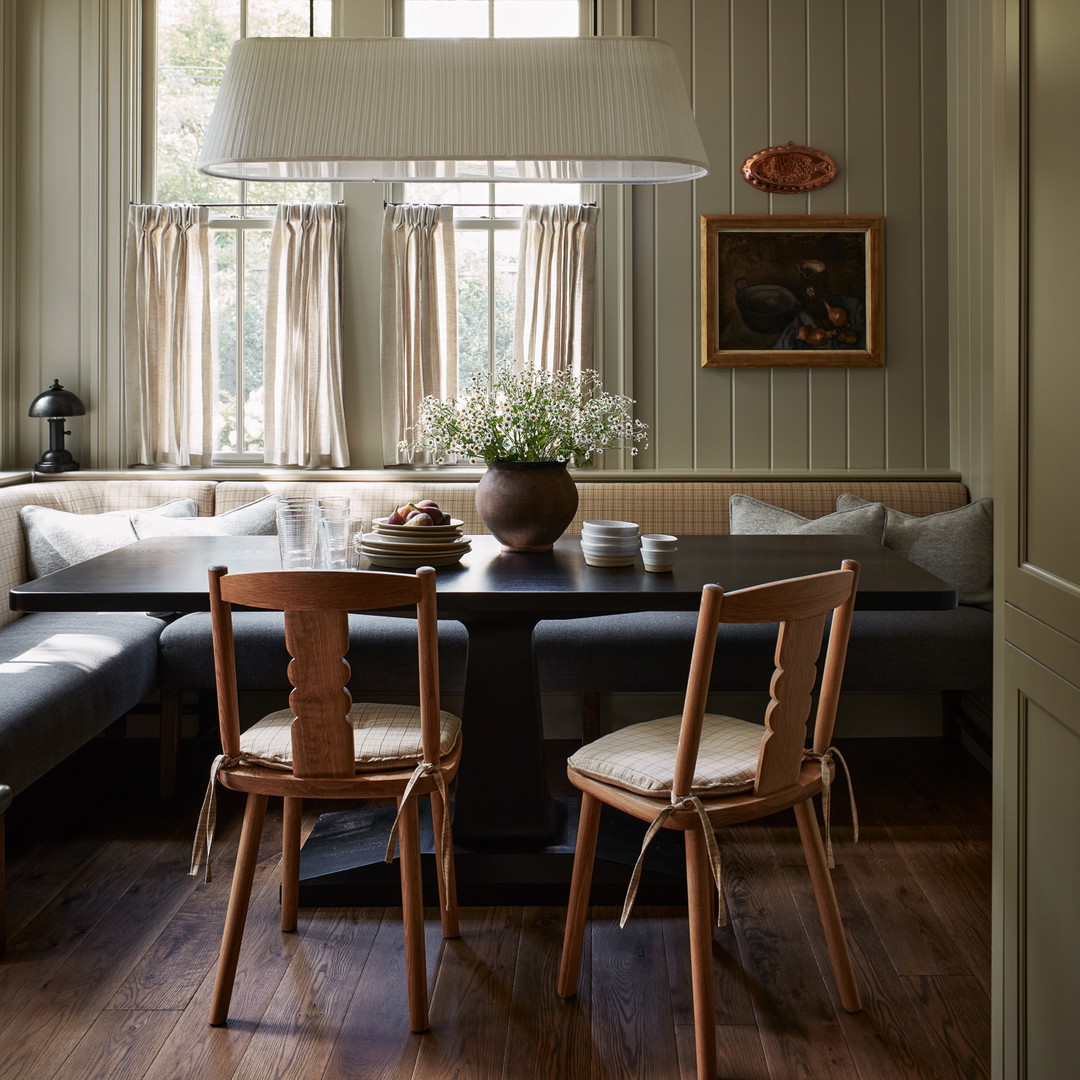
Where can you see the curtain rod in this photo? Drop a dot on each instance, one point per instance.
(479, 205)
(227, 205)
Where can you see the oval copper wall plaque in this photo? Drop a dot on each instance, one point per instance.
(789, 170)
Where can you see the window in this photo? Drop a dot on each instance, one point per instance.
(192, 43)
(487, 216)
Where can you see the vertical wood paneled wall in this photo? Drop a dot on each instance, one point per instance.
(77, 154)
(864, 80)
(971, 240)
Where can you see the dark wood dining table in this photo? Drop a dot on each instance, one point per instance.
(513, 837)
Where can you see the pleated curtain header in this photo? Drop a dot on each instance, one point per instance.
(588, 110)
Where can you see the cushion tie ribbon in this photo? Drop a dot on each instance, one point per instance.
(204, 831)
(432, 769)
(680, 803)
(826, 760)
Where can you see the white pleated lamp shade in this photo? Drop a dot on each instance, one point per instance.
(588, 110)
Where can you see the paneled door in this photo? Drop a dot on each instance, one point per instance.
(1037, 706)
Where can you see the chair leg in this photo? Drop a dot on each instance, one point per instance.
(448, 910)
(699, 889)
(828, 911)
(172, 709)
(246, 858)
(290, 863)
(412, 911)
(580, 885)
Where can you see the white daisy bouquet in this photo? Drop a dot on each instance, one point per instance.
(529, 416)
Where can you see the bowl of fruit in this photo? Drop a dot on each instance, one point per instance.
(415, 534)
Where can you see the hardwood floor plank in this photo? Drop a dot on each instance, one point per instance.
(905, 919)
(734, 1005)
(119, 1045)
(889, 1039)
(739, 1054)
(958, 1012)
(194, 1049)
(799, 1030)
(630, 997)
(470, 1006)
(57, 1009)
(374, 1041)
(173, 968)
(549, 1037)
(955, 879)
(298, 1030)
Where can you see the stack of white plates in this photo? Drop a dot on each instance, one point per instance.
(609, 543)
(409, 546)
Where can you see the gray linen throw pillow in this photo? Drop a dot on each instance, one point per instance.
(956, 545)
(56, 538)
(752, 517)
(258, 518)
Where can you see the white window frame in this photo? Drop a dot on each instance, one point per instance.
(228, 216)
(492, 221)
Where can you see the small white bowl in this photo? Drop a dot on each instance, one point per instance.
(659, 542)
(658, 562)
(599, 529)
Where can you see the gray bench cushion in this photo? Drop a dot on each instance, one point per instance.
(650, 651)
(64, 677)
(382, 653)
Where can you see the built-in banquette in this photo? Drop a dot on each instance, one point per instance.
(65, 677)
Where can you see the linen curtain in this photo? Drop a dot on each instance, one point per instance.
(553, 323)
(304, 422)
(419, 318)
(168, 343)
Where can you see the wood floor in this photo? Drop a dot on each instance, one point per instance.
(113, 947)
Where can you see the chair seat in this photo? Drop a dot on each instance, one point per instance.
(384, 737)
(641, 758)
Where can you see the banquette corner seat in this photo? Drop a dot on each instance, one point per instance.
(65, 676)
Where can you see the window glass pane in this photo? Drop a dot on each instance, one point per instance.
(473, 299)
(537, 18)
(256, 256)
(445, 18)
(223, 300)
(287, 18)
(505, 286)
(194, 39)
(488, 238)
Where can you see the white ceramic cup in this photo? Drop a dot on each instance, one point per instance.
(659, 542)
(659, 562)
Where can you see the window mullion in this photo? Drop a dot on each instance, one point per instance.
(241, 434)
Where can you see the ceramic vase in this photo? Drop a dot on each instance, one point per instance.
(526, 505)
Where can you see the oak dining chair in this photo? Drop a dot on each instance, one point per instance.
(326, 747)
(700, 772)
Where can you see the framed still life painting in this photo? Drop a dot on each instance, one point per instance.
(791, 291)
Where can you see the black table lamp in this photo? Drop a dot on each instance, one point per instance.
(55, 405)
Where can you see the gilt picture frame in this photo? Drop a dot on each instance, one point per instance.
(792, 291)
